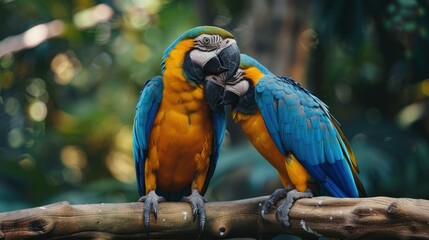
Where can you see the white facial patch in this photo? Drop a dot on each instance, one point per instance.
(240, 88)
(201, 57)
(207, 46)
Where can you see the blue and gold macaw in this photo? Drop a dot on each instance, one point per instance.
(295, 132)
(179, 127)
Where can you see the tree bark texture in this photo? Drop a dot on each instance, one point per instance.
(369, 218)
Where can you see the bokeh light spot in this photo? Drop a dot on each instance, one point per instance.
(138, 14)
(6, 79)
(7, 60)
(32, 37)
(425, 87)
(73, 157)
(64, 68)
(121, 166)
(15, 137)
(136, 19)
(411, 113)
(123, 139)
(11, 106)
(102, 61)
(37, 110)
(92, 16)
(35, 35)
(27, 162)
(36, 88)
(142, 53)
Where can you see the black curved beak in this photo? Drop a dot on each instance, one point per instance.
(230, 98)
(223, 65)
(226, 61)
(214, 95)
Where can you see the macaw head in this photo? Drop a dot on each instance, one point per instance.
(240, 89)
(204, 51)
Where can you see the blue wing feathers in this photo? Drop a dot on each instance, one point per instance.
(342, 179)
(266, 105)
(333, 189)
(300, 123)
(219, 126)
(146, 110)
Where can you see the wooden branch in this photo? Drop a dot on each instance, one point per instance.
(378, 217)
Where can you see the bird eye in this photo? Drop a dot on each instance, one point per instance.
(206, 40)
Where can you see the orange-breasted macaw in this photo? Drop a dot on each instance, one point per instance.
(295, 132)
(178, 128)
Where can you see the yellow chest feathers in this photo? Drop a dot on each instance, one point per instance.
(182, 99)
(179, 94)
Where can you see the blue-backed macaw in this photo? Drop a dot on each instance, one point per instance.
(177, 136)
(294, 131)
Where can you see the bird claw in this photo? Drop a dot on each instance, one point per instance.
(282, 213)
(197, 204)
(272, 201)
(150, 204)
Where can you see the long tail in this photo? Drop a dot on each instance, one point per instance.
(352, 163)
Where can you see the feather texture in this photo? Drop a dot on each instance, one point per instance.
(300, 123)
(147, 107)
(219, 125)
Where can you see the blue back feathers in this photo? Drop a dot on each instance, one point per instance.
(300, 123)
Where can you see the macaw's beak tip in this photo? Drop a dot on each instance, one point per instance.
(214, 96)
(226, 61)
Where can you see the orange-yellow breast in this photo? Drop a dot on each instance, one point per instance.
(181, 137)
(288, 167)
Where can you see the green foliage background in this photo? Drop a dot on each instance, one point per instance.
(67, 104)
